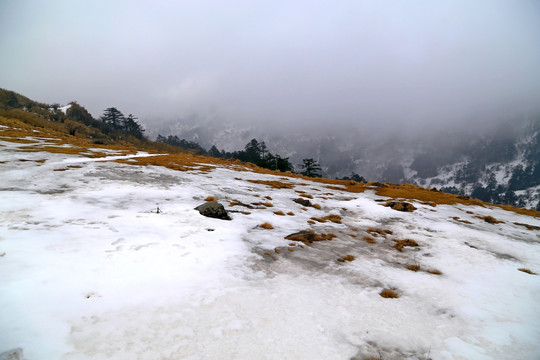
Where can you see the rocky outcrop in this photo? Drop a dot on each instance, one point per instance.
(213, 209)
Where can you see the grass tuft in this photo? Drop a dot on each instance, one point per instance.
(267, 226)
(279, 212)
(529, 227)
(530, 272)
(317, 206)
(377, 232)
(389, 294)
(273, 184)
(490, 219)
(400, 244)
(346, 258)
(413, 267)
(290, 213)
(332, 217)
(369, 240)
(210, 198)
(456, 218)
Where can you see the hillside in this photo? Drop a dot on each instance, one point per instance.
(102, 256)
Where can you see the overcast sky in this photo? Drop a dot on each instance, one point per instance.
(360, 62)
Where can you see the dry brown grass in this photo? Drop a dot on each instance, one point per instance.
(414, 267)
(332, 217)
(413, 192)
(400, 244)
(317, 206)
(279, 212)
(268, 197)
(210, 198)
(267, 226)
(528, 271)
(490, 219)
(389, 294)
(346, 258)
(376, 232)
(308, 196)
(456, 218)
(268, 204)
(434, 272)
(290, 213)
(529, 227)
(311, 222)
(273, 184)
(369, 240)
(308, 237)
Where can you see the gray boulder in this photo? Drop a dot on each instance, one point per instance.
(213, 209)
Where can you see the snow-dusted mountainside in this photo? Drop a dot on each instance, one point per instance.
(90, 269)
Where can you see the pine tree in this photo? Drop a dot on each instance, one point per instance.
(132, 127)
(311, 168)
(113, 118)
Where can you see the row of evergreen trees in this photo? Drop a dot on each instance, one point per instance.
(255, 152)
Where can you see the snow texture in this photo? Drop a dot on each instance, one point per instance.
(89, 269)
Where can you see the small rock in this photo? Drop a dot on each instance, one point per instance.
(303, 202)
(213, 209)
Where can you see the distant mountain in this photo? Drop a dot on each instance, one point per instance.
(498, 164)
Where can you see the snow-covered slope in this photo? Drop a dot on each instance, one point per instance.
(89, 269)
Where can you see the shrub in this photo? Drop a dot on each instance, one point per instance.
(210, 198)
(290, 213)
(280, 213)
(267, 226)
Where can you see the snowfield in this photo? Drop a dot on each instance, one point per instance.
(89, 269)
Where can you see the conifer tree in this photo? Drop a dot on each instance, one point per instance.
(311, 168)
